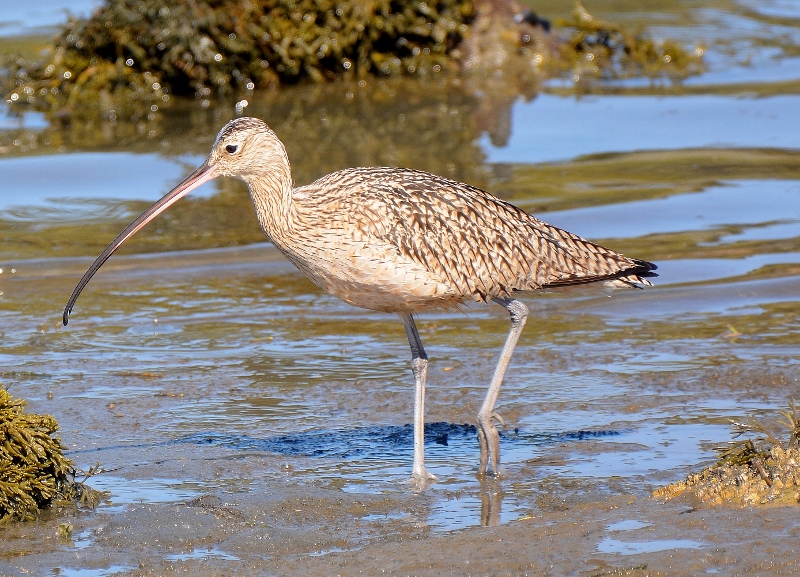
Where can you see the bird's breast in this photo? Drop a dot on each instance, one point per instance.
(366, 272)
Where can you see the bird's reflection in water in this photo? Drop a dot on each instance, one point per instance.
(491, 507)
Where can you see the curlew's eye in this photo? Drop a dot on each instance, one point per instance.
(231, 148)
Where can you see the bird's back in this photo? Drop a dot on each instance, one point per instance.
(470, 244)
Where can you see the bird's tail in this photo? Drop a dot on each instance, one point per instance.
(634, 277)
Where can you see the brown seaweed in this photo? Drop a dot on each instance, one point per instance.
(601, 49)
(132, 56)
(758, 469)
(33, 469)
(147, 49)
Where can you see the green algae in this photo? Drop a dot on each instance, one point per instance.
(613, 178)
(33, 469)
(143, 51)
(132, 56)
(600, 49)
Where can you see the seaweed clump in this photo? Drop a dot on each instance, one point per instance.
(606, 50)
(33, 469)
(757, 470)
(131, 56)
(147, 49)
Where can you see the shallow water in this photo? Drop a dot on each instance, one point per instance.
(199, 362)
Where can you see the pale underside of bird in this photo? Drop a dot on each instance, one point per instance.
(401, 241)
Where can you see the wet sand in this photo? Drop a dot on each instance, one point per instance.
(248, 512)
(202, 484)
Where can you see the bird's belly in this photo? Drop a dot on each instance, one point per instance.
(377, 280)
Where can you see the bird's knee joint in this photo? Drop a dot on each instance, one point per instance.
(484, 421)
(518, 311)
(419, 366)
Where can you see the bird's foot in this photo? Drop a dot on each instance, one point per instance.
(422, 478)
(489, 440)
(491, 473)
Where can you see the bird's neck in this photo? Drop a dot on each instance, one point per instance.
(272, 198)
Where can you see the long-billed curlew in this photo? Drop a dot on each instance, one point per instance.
(400, 241)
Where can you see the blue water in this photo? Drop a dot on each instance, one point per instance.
(553, 128)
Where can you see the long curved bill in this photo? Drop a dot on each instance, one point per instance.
(203, 174)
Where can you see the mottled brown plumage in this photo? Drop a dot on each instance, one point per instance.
(402, 241)
(446, 242)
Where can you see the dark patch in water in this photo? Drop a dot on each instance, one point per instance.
(363, 442)
(374, 442)
(583, 435)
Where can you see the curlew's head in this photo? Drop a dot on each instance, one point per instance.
(245, 148)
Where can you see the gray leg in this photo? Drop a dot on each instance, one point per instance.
(488, 436)
(419, 366)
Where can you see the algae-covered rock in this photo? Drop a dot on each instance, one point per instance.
(754, 471)
(771, 477)
(150, 48)
(602, 49)
(130, 56)
(33, 469)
